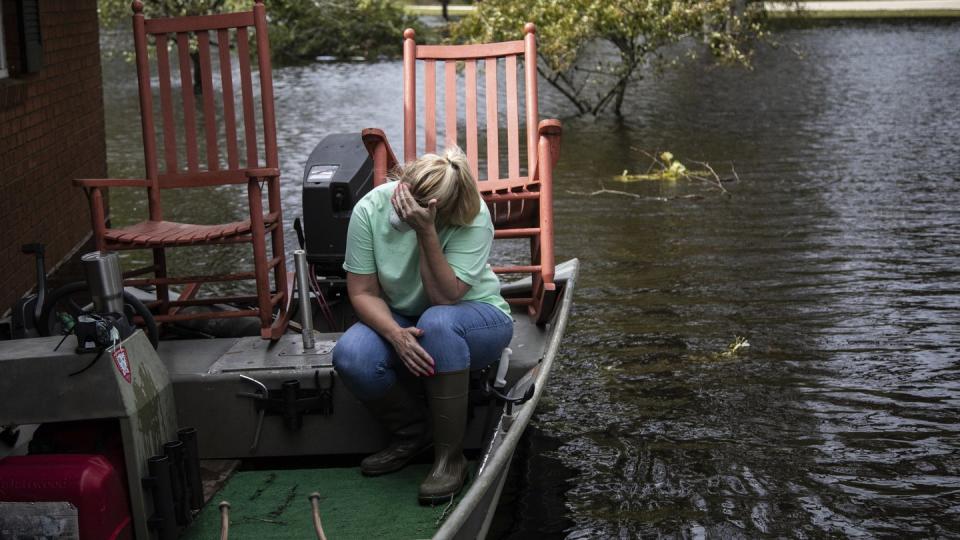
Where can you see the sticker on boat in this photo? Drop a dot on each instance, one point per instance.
(122, 361)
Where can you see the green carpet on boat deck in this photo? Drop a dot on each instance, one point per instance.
(274, 504)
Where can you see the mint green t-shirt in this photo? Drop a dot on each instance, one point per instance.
(375, 247)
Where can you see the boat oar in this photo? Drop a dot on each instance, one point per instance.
(224, 520)
(317, 526)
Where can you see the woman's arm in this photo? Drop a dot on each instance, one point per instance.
(439, 281)
(364, 293)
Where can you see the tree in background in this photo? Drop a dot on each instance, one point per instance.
(591, 50)
(300, 30)
(114, 11)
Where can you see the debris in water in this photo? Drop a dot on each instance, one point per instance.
(665, 167)
(739, 343)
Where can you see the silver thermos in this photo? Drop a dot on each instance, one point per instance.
(104, 280)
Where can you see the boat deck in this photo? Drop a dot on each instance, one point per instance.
(274, 504)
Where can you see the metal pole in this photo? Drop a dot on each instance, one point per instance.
(224, 520)
(104, 280)
(306, 314)
(315, 506)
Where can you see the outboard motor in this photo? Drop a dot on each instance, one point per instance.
(338, 173)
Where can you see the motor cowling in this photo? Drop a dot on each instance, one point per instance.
(338, 173)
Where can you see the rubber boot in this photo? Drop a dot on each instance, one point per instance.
(404, 417)
(447, 394)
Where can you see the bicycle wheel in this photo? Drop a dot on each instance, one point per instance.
(73, 299)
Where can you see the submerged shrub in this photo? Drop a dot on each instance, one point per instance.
(343, 29)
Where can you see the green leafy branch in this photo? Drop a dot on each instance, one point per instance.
(665, 167)
(592, 50)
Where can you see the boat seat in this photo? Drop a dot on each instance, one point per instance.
(168, 233)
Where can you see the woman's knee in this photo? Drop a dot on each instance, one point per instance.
(361, 359)
(350, 356)
(440, 320)
(464, 335)
(443, 339)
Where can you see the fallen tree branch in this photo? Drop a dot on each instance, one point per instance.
(716, 181)
(663, 166)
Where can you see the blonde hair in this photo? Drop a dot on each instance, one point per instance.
(447, 179)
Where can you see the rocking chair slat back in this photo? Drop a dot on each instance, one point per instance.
(477, 123)
(513, 129)
(470, 82)
(229, 115)
(199, 23)
(166, 107)
(209, 116)
(469, 52)
(430, 106)
(450, 102)
(493, 128)
(186, 93)
(246, 91)
(212, 73)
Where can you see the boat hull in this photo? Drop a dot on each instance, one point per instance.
(232, 391)
(213, 387)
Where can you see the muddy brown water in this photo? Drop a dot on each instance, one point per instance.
(835, 256)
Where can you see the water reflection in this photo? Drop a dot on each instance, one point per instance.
(835, 256)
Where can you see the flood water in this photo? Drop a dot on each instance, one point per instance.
(835, 256)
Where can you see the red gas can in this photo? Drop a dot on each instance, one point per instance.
(88, 482)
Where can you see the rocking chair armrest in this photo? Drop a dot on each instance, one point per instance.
(550, 127)
(380, 151)
(549, 132)
(110, 182)
(373, 137)
(262, 173)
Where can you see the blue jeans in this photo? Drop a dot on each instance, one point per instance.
(459, 336)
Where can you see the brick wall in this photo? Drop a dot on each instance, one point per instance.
(51, 131)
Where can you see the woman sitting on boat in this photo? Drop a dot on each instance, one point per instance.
(418, 279)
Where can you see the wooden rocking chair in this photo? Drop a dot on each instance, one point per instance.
(521, 205)
(220, 167)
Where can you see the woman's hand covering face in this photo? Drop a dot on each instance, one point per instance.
(419, 218)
